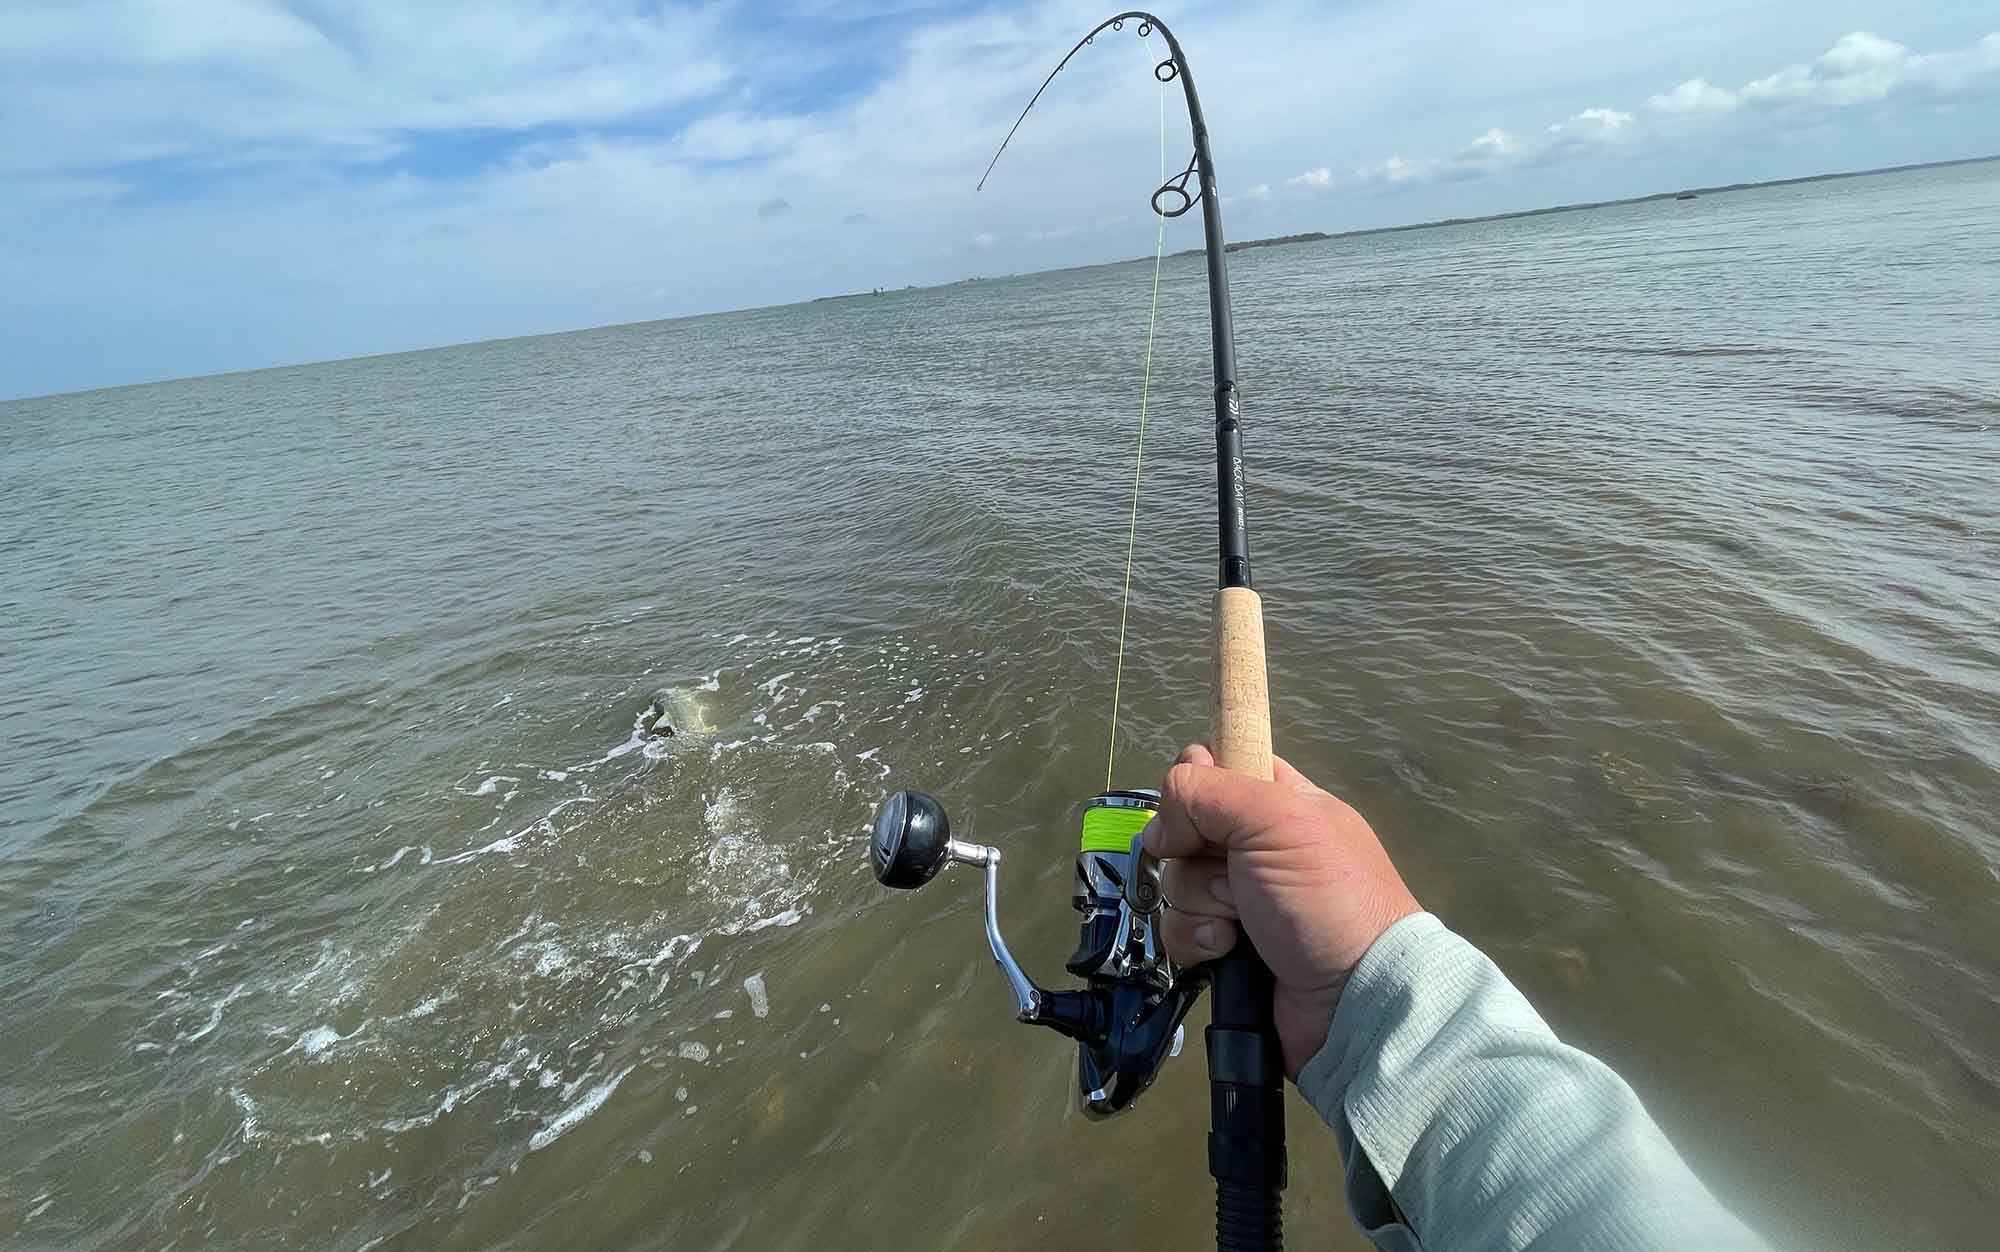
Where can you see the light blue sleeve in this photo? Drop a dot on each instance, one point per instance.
(1466, 1124)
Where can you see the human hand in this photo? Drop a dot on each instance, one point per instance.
(1302, 872)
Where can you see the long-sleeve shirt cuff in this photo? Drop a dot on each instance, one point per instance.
(1465, 1123)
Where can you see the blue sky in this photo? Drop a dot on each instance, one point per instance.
(195, 186)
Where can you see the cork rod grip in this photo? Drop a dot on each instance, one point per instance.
(1239, 710)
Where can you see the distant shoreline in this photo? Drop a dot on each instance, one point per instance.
(1686, 193)
(1317, 236)
(1240, 246)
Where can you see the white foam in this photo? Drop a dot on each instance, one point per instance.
(454, 1095)
(760, 1000)
(550, 958)
(567, 1120)
(692, 1051)
(718, 812)
(320, 1038)
(668, 951)
(790, 917)
(400, 854)
(492, 784)
(527, 924)
(508, 844)
(214, 1016)
(555, 775)
(249, 1108)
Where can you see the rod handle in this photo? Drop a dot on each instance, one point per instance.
(1239, 709)
(1246, 1069)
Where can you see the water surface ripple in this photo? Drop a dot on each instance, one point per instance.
(1636, 570)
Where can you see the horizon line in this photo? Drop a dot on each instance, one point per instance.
(1235, 246)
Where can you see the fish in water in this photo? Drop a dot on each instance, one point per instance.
(654, 721)
(671, 713)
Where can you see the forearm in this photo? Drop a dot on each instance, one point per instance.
(1448, 1093)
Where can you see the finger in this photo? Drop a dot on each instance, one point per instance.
(1199, 809)
(1191, 940)
(1198, 884)
(1195, 754)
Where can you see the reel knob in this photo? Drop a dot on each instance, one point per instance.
(911, 840)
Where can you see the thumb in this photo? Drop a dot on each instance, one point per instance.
(1203, 809)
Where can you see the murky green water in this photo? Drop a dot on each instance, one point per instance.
(1637, 571)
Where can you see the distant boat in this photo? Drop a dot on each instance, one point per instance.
(1685, 195)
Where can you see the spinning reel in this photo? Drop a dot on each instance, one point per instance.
(1126, 1019)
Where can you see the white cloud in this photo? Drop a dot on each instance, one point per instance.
(1494, 143)
(113, 81)
(737, 137)
(985, 240)
(1396, 171)
(1696, 95)
(1593, 126)
(1863, 68)
(1262, 191)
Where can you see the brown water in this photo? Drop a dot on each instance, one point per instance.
(1636, 571)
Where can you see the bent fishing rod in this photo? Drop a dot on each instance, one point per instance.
(1127, 1019)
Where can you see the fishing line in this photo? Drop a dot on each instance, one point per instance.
(1139, 456)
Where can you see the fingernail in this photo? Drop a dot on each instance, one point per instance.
(1206, 938)
(1219, 888)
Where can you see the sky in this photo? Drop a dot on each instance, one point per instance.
(197, 186)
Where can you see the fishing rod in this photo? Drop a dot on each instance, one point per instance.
(1127, 1019)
